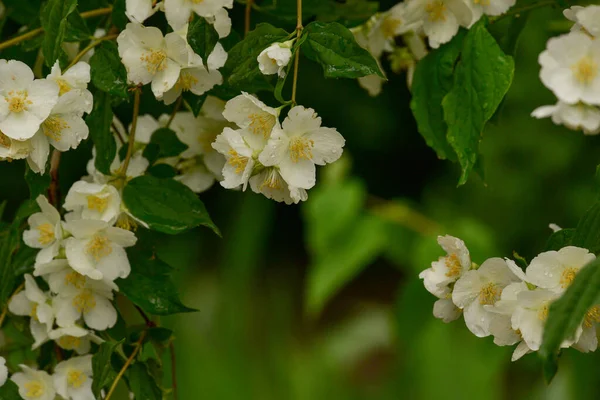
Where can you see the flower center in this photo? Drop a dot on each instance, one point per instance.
(53, 127)
(261, 123)
(46, 234)
(76, 378)
(592, 317)
(436, 11)
(84, 301)
(543, 312)
(69, 342)
(567, 276)
(99, 247)
(63, 86)
(186, 81)
(453, 264)
(33, 313)
(196, 1)
(155, 61)
(75, 279)
(237, 161)
(18, 101)
(301, 148)
(4, 141)
(489, 294)
(585, 70)
(34, 389)
(272, 181)
(389, 26)
(97, 203)
(482, 2)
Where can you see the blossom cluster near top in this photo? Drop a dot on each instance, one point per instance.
(571, 69)
(499, 299)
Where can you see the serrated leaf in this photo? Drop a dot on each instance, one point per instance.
(333, 46)
(107, 70)
(141, 384)
(241, 69)
(99, 122)
(202, 37)
(167, 142)
(431, 83)
(567, 313)
(54, 21)
(149, 285)
(560, 239)
(165, 205)
(37, 183)
(587, 233)
(102, 368)
(482, 78)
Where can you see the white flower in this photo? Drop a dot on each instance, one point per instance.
(97, 249)
(221, 22)
(24, 102)
(441, 18)
(34, 384)
(74, 81)
(246, 111)
(3, 371)
(94, 201)
(577, 116)
(45, 231)
(555, 270)
(478, 288)
(447, 269)
(587, 19)
(490, 7)
(150, 57)
(140, 10)
(571, 68)
(74, 338)
(270, 183)
(14, 149)
(501, 326)
(588, 341)
(178, 12)
(300, 144)
(34, 303)
(146, 126)
(138, 164)
(240, 157)
(195, 175)
(445, 310)
(73, 378)
(275, 58)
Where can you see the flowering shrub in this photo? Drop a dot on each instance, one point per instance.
(210, 105)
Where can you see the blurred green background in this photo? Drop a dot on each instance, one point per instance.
(323, 300)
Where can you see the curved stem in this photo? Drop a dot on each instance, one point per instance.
(175, 110)
(299, 28)
(37, 31)
(247, 19)
(93, 44)
(138, 346)
(53, 190)
(131, 138)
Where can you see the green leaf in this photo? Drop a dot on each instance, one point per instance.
(9, 391)
(162, 171)
(431, 83)
(165, 205)
(560, 239)
(333, 46)
(99, 122)
(77, 29)
(241, 69)
(142, 385)
(54, 21)
(102, 368)
(566, 313)
(195, 102)
(149, 285)
(23, 12)
(107, 70)
(482, 78)
(507, 32)
(38, 183)
(587, 233)
(202, 37)
(167, 142)
(119, 17)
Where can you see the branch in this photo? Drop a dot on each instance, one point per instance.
(138, 346)
(177, 107)
(249, 4)
(54, 189)
(89, 47)
(131, 139)
(299, 28)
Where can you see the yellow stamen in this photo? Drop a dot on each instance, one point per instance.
(69, 342)
(99, 247)
(84, 302)
(272, 181)
(155, 61)
(543, 312)
(453, 264)
(76, 378)
(592, 317)
(75, 279)
(18, 101)
(262, 123)
(196, 1)
(34, 389)
(53, 127)
(489, 294)
(5, 141)
(63, 86)
(46, 234)
(436, 11)
(186, 81)
(567, 276)
(237, 161)
(97, 203)
(301, 148)
(389, 27)
(585, 70)
(33, 312)
(482, 2)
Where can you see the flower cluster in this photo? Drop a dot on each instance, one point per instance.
(37, 113)
(499, 299)
(275, 58)
(277, 159)
(571, 70)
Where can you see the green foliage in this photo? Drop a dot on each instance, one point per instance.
(54, 21)
(24, 12)
(195, 102)
(9, 391)
(108, 73)
(333, 46)
(560, 239)
(77, 29)
(38, 183)
(99, 122)
(165, 205)
(483, 76)
(165, 143)
(102, 368)
(142, 385)
(587, 233)
(202, 38)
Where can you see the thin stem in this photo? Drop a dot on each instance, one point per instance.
(299, 28)
(53, 189)
(5, 311)
(247, 19)
(149, 322)
(533, 6)
(175, 110)
(138, 346)
(37, 31)
(173, 369)
(131, 138)
(93, 44)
